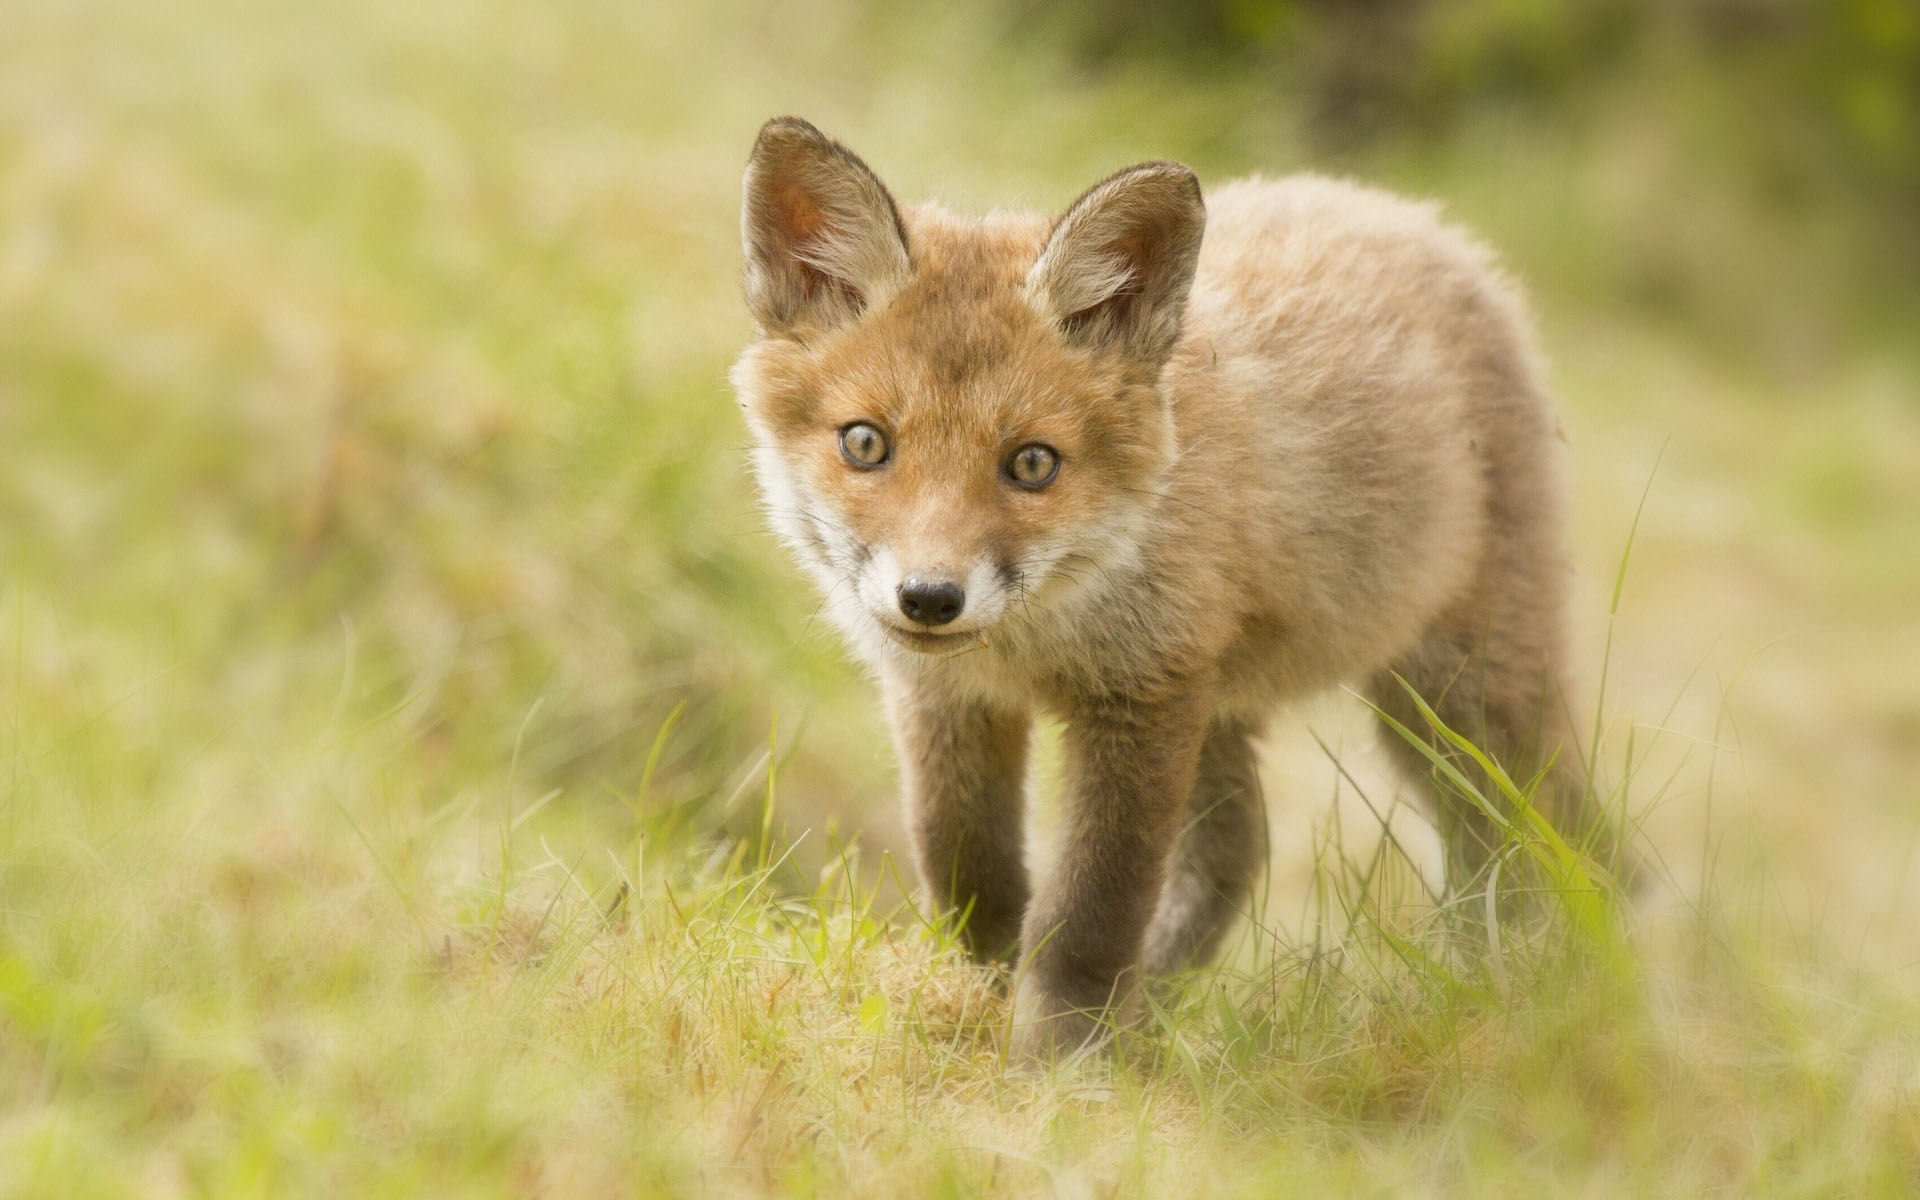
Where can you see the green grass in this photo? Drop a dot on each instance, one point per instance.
(420, 773)
(325, 979)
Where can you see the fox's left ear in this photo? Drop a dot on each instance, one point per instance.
(823, 239)
(1117, 266)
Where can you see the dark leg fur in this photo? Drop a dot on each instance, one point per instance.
(1510, 705)
(1130, 774)
(963, 767)
(1218, 856)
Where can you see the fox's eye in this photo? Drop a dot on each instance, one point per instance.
(863, 445)
(1033, 466)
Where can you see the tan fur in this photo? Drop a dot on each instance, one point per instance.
(1310, 447)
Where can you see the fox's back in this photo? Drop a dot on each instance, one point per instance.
(1331, 279)
(1355, 392)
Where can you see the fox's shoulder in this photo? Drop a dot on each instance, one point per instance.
(1323, 223)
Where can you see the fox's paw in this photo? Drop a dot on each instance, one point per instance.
(1048, 1029)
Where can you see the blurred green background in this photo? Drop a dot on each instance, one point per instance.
(361, 367)
(356, 356)
(374, 511)
(364, 363)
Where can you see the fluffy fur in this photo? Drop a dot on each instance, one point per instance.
(1302, 440)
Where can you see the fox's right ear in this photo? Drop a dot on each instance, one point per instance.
(823, 239)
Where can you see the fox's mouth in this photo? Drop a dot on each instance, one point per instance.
(929, 643)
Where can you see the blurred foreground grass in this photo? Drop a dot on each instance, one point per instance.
(392, 661)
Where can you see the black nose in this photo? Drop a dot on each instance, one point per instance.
(931, 602)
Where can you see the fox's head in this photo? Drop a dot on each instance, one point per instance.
(959, 422)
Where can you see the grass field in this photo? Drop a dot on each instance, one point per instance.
(420, 773)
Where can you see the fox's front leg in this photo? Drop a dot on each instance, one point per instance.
(962, 767)
(1130, 770)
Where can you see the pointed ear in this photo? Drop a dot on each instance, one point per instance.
(823, 239)
(1117, 266)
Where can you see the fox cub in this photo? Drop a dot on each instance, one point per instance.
(1154, 466)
